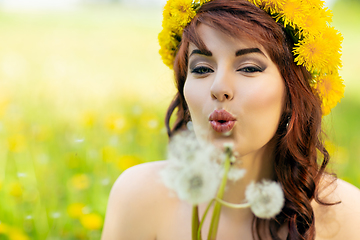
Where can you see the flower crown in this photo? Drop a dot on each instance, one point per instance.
(317, 44)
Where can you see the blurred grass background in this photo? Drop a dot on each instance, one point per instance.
(83, 95)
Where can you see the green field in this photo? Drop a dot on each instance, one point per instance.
(83, 95)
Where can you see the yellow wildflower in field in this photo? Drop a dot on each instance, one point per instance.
(116, 123)
(75, 210)
(80, 181)
(17, 143)
(16, 234)
(3, 228)
(12, 233)
(16, 189)
(1, 184)
(91, 221)
(127, 161)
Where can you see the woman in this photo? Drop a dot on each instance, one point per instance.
(244, 77)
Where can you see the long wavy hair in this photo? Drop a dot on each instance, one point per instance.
(300, 156)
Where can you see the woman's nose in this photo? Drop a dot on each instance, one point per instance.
(221, 88)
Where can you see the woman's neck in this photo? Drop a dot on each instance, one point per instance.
(258, 166)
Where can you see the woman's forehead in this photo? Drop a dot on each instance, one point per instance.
(212, 39)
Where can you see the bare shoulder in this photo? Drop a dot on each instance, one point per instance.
(341, 220)
(133, 203)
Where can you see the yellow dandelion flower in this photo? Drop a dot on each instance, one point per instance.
(321, 53)
(334, 39)
(75, 210)
(127, 161)
(313, 23)
(168, 46)
(271, 6)
(1, 184)
(16, 234)
(167, 57)
(315, 54)
(314, 3)
(330, 89)
(182, 12)
(80, 181)
(293, 13)
(166, 12)
(326, 14)
(91, 221)
(16, 189)
(3, 228)
(116, 123)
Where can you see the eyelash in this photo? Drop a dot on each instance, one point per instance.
(205, 70)
(200, 70)
(250, 69)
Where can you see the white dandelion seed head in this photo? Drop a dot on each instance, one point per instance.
(192, 169)
(266, 198)
(234, 173)
(197, 183)
(184, 147)
(170, 173)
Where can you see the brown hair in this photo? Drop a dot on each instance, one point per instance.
(296, 164)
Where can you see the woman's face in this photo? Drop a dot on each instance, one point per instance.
(234, 92)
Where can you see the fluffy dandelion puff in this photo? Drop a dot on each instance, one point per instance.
(266, 198)
(192, 170)
(197, 183)
(235, 173)
(183, 147)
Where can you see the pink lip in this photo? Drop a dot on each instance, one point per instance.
(222, 121)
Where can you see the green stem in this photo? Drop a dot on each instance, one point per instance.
(195, 222)
(233, 205)
(203, 219)
(217, 207)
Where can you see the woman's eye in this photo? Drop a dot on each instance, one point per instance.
(250, 69)
(202, 70)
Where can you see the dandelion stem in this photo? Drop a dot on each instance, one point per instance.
(203, 219)
(195, 222)
(233, 205)
(217, 207)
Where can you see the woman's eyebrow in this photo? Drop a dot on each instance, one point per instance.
(247, 51)
(201, 52)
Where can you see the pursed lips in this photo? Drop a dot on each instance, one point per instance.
(222, 121)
